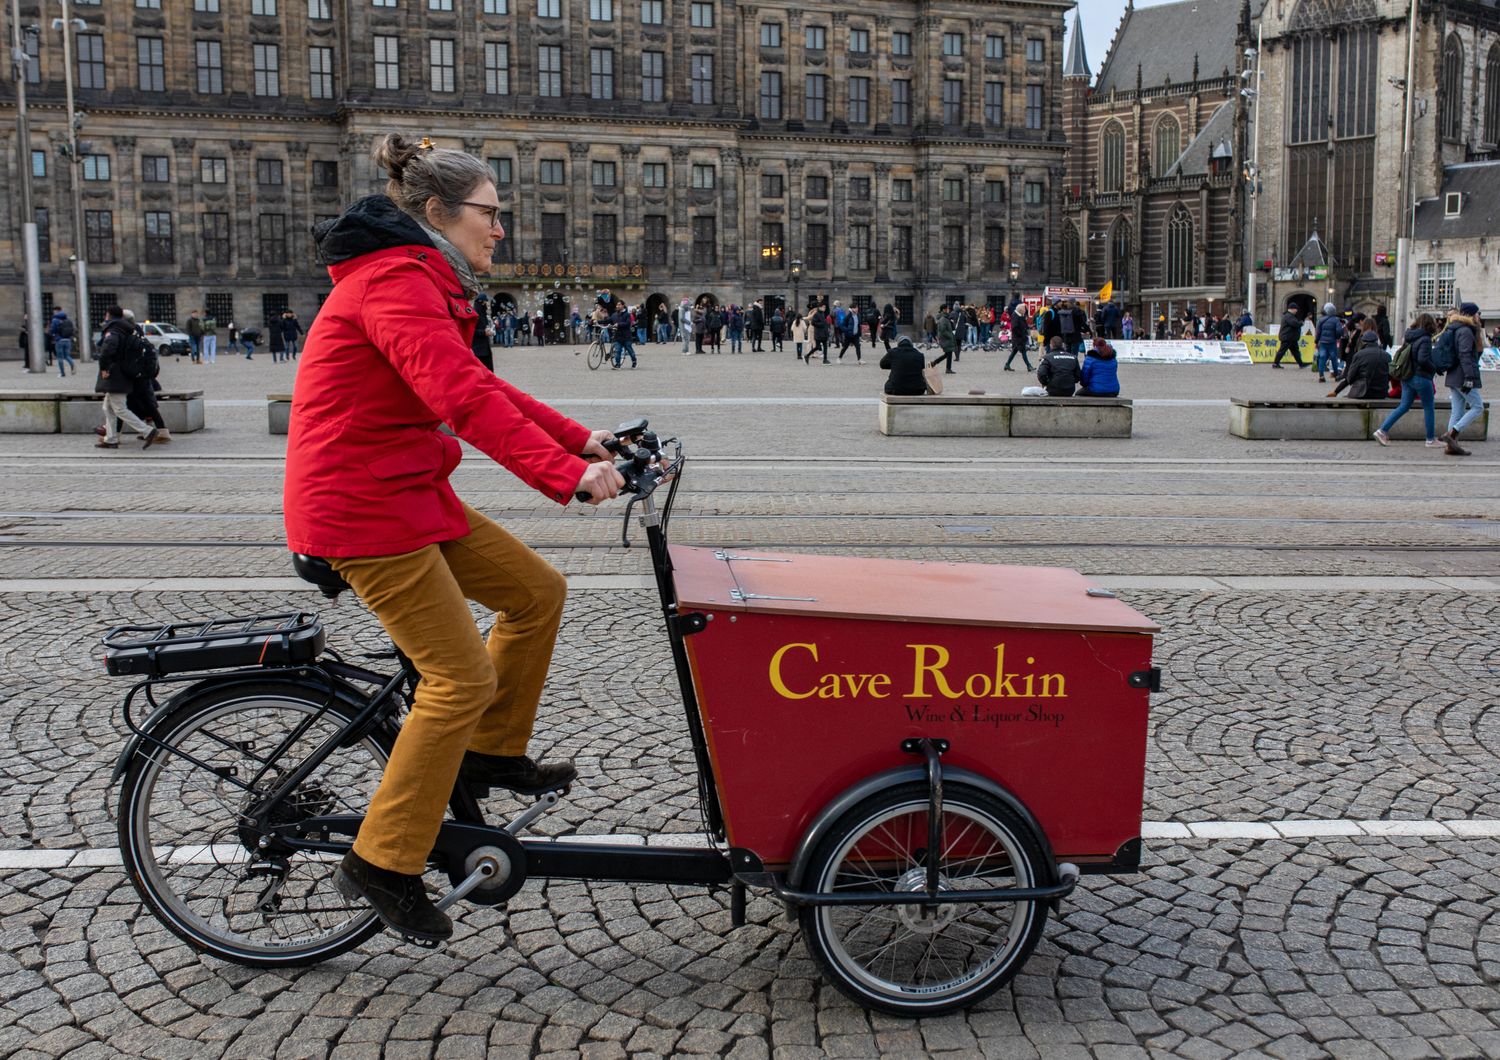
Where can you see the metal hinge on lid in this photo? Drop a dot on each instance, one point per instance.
(741, 595)
(1147, 679)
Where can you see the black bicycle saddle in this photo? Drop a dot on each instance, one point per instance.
(320, 572)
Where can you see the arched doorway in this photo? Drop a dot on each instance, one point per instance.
(1304, 304)
(504, 300)
(705, 299)
(555, 313)
(654, 305)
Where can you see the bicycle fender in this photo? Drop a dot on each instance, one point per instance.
(133, 745)
(823, 823)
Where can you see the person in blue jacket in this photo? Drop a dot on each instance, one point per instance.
(1101, 375)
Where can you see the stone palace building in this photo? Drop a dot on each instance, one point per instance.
(663, 148)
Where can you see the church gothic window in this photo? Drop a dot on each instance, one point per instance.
(1451, 112)
(1119, 255)
(1112, 157)
(1492, 96)
(1168, 145)
(1331, 140)
(1180, 248)
(1070, 254)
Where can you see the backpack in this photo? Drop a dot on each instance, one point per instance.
(712, 321)
(137, 357)
(1066, 323)
(1403, 364)
(65, 329)
(1445, 352)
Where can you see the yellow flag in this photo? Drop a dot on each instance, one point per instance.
(1107, 291)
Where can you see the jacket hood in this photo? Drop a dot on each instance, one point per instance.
(1413, 334)
(373, 223)
(1105, 352)
(1456, 317)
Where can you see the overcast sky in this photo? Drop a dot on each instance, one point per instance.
(1100, 17)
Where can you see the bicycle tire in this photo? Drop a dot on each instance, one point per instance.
(596, 356)
(162, 866)
(878, 843)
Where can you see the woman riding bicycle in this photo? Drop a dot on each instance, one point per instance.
(387, 362)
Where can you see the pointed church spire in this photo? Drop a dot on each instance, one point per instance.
(1077, 64)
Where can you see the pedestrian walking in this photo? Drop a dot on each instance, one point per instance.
(756, 324)
(846, 322)
(1020, 338)
(1457, 350)
(1416, 386)
(210, 338)
(62, 330)
(821, 327)
(143, 372)
(275, 342)
(777, 328)
(888, 320)
(1326, 337)
(736, 329)
(800, 332)
(624, 336)
(1290, 336)
(929, 328)
(948, 341)
(481, 343)
(685, 326)
(122, 354)
(291, 332)
(194, 331)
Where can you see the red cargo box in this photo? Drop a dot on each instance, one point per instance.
(813, 669)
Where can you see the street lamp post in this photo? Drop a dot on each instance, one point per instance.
(797, 285)
(70, 26)
(1015, 278)
(36, 347)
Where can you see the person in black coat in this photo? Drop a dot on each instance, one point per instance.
(1368, 375)
(756, 324)
(1059, 371)
(888, 326)
(1020, 337)
(481, 343)
(1289, 337)
(905, 363)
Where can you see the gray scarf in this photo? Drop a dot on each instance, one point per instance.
(461, 267)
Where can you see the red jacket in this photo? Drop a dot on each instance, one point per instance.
(387, 360)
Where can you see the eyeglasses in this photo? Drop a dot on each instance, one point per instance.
(493, 211)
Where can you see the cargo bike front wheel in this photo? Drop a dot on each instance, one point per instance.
(924, 960)
(183, 814)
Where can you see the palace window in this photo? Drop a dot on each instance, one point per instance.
(859, 247)
(150, 68)
(210, 67)
(901, 248)
(497, 68)
(701, 16)
(654, 175)
(653, 79)
(158, 237)
(502, 170)
(99, 236)
(703, 176)
(549, 70)
(815, 99)
(605, 243)
(603, 174)
(1451, 99)
(156, 169)
(772, 186)
(214, 229)
(602, 73)
(320, 72)
(90, 60)
(550, 171)
(701, 71)
(859, 41)
(901, 102)
(994, 103)
(817, 247)
(994, 248)
(770, 95)
(953, 43)
(387, 63)
(654, 243)
(901, 43)
(953, 248)
(554, 237)
(705, 241)
(267, 59)
(770, 34)
(859, 100)
(441, 71)
(994, 47)
(772, 246)
(953, 101)
(1033, 106)
(213, 170)
(273, 249)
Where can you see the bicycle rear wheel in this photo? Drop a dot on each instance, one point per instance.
(596, 355)
(181, 836)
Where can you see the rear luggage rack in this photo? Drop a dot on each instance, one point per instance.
(291, 639)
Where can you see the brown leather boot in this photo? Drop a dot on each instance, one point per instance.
(1451, 446)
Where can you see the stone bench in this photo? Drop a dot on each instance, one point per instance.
(70, 412)
(997, 416)
(1338, 420)
(279, 412)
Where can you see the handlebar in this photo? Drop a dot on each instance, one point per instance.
(643, 467)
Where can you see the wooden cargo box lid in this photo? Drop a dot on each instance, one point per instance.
(969, 594)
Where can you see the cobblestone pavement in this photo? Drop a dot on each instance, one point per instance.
(1322, 704)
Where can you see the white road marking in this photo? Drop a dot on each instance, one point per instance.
(1259, 831)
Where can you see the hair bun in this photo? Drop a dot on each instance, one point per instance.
(393, 153)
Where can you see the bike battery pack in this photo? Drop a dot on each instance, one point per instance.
(290, 639)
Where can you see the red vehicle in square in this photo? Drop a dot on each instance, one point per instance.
(917, 758)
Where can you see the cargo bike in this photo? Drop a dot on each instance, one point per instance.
(917, 758)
